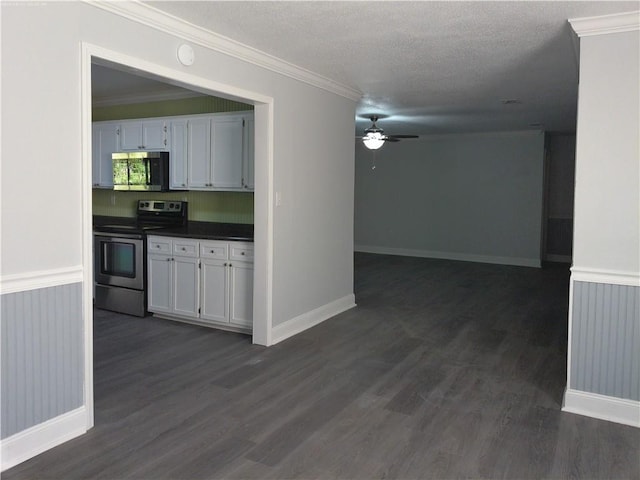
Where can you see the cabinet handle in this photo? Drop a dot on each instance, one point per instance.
(168, 259)
(184, 184)
(184, 249)
(213, 251)
(230, 265)
(241, 253)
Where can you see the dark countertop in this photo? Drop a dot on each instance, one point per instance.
(201, 230)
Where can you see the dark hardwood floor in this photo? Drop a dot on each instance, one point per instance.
(444, 370)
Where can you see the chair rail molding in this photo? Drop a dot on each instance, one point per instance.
(613, 277)
(21, 282)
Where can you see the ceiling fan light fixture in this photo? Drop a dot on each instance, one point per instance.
(373, 140)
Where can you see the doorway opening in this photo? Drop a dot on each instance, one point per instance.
(263, 164)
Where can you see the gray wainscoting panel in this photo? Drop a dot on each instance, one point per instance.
(605, 340)
(42, 360)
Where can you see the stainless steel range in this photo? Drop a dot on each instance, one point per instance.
(121, 257)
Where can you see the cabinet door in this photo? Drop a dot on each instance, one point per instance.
(214, 290)
(186, 286)
(105, 141)
(248, 174)
(178, 155)
(199, 153)
(154, 135)
(131, 136)
(146, 135)
(159, 285)
(241, 294)
(226, 157)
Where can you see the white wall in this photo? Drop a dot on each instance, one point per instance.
(604, 314)
(41, 151)
(607, 196)
(304, 247)
(470, 197)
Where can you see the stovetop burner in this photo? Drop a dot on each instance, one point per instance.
(151, 215)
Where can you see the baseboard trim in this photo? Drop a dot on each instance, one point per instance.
(552, 257)
(33, 441)
(603, 407)
(464, 257)
(311, 319)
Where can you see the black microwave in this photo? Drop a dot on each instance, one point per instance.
(141, 171)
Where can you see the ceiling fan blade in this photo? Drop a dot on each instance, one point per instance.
(391, 138)
(403, 136)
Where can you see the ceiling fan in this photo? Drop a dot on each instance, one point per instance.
(374, 137)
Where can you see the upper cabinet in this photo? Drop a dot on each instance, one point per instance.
(227, 151)
(105, 141)
(217, 153)
(206, 152)
(248, 154)
(178, 155)
(198, 158)
(143, 135)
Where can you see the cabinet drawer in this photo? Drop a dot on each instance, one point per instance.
(241, 252)
(217, 250)
(159, 245)
(185, 248)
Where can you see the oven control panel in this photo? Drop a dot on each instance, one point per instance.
(174, 206)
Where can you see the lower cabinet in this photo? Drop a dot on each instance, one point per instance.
(206, 281)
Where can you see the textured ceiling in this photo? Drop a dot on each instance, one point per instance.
(431, 67)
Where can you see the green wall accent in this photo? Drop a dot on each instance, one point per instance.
(166, 108)
(226, 207)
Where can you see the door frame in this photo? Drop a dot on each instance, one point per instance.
(263, 194)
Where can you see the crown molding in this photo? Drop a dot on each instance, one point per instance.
(605, 24)
(166, 23)
(132, 98)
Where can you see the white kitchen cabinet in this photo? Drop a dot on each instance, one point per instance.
(173, 276)
(143, 135)
(160, 284)
(178, 173)
(248, 165)
(105, 141)
(205, 281)
(227, 282)
(241, 294)
(217, 157)
(215, 290)
(186, 283)
(199, 153)
(227, 152)
(213, 152)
